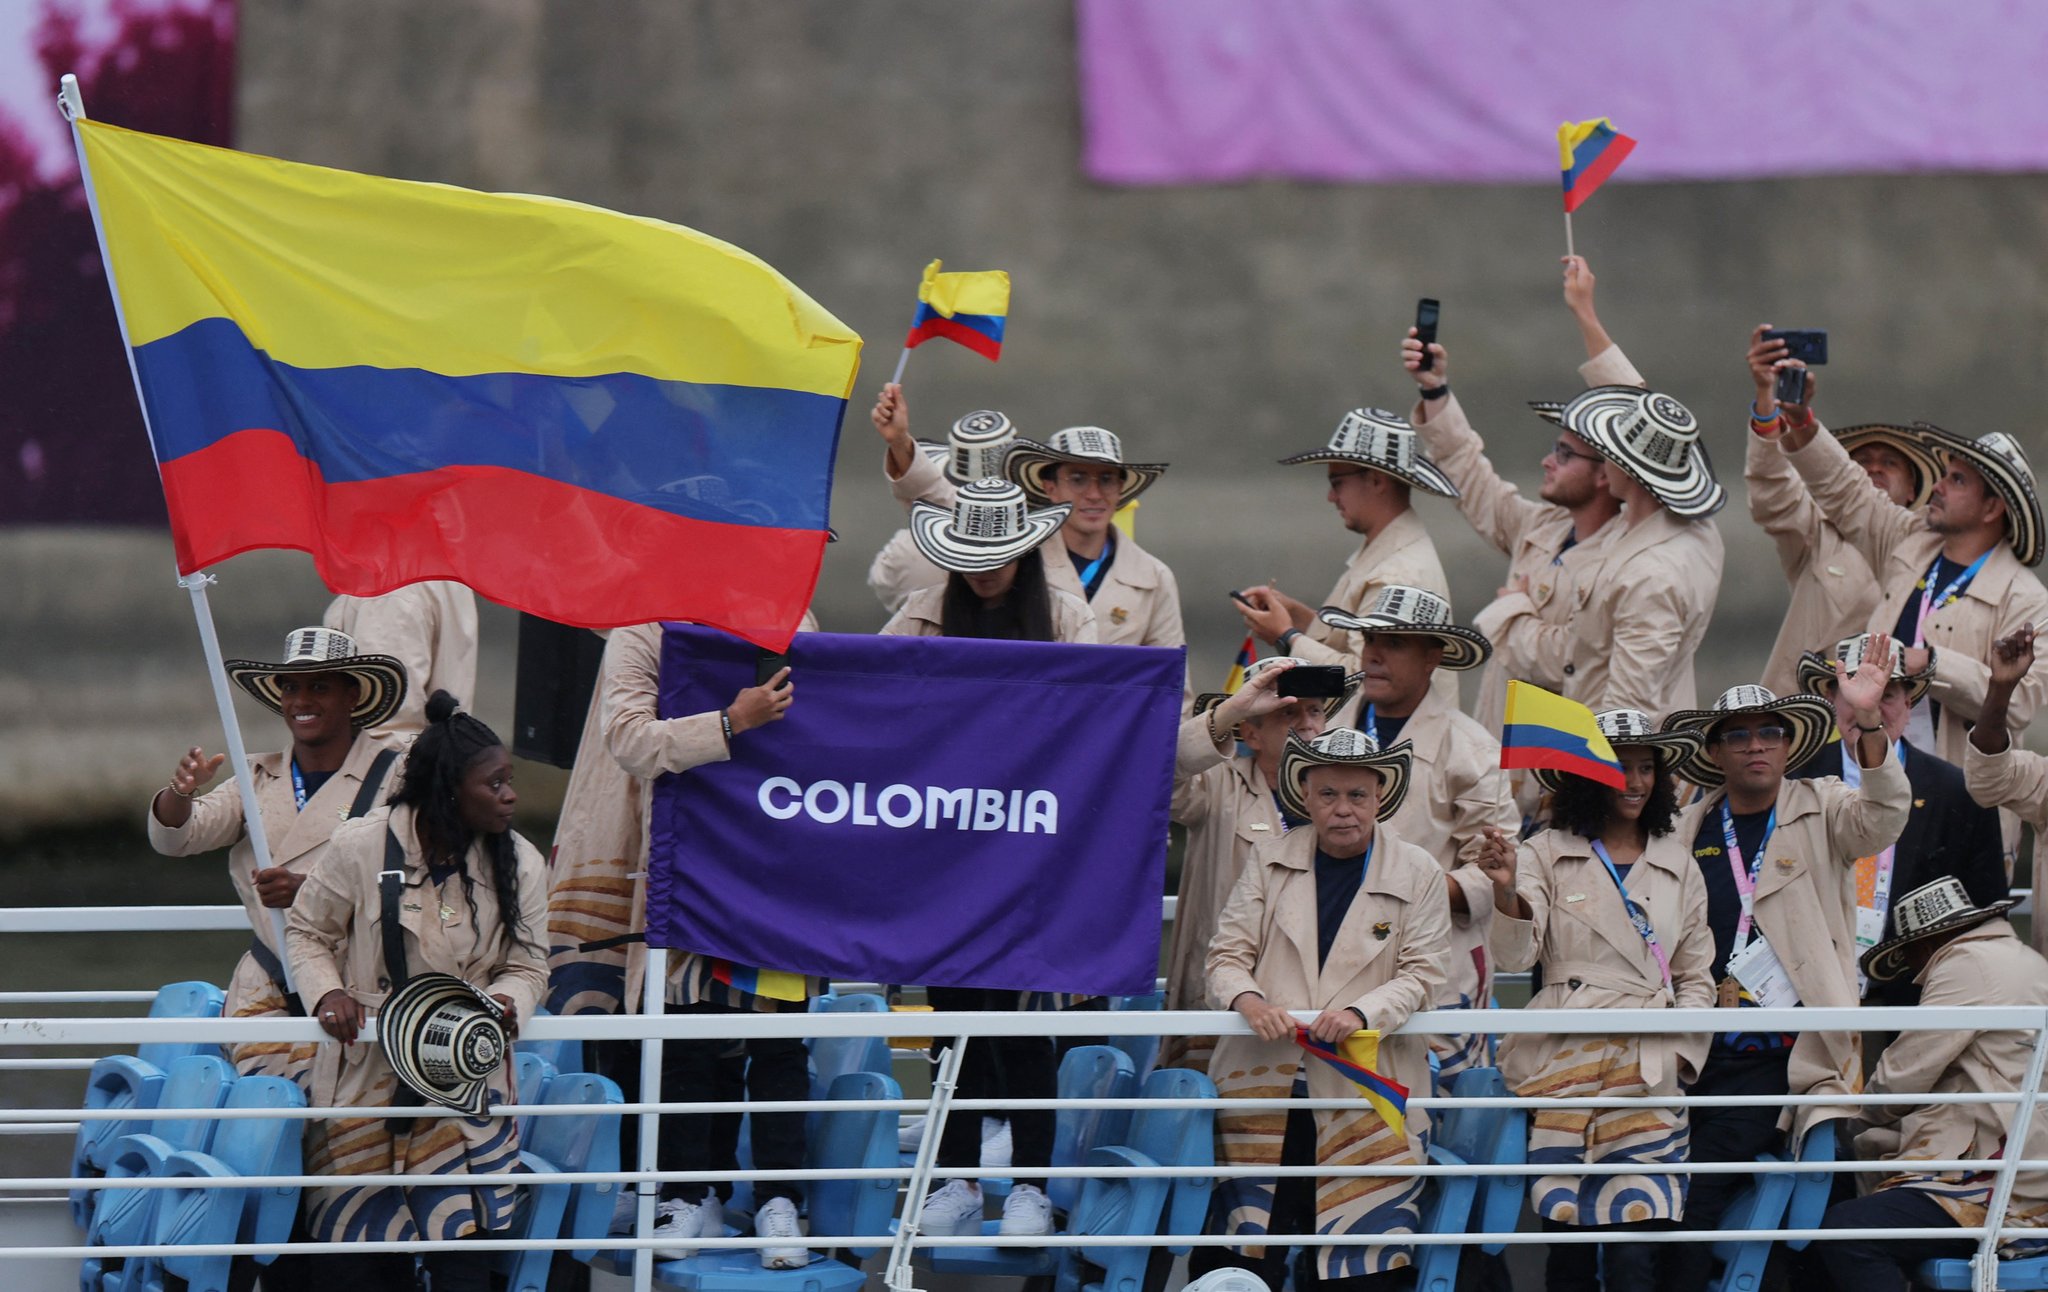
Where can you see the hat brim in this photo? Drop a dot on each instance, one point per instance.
(1030, 463)
(1333, 706)
(1301, 758)
(1907, 442)
(1691, 492)
(1464, 648)
(1812, 671)
(1886, 962)
(2022, 507)
(1425, 474)
(1672, 750)
(399, 1022)
(380, 682)
(930, 532)
(1811, 719)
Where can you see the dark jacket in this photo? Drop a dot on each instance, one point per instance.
(1946, 834)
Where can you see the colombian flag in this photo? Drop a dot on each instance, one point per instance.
(594, 417)
(1247, 654)
(1588, 152)
(772, 983)
(1544, 730)
(964, 307)
(1353, 1058)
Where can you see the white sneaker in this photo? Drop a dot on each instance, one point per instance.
(625, 1211)
(1027, 1213)
(952, 1210)
(777, 1219)
(910, 1134)
(995, 1141)
(682, 1221)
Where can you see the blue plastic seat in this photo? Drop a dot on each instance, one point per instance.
(558, 1143)
(128, 1216)
(182, 1000)
(1810, 1189)
(1144, 1050)
(1179, 1137)
(119, 1081)
(850, 1140)
(834, 1056)
(1760, 1206)
(2025, 1272)
(565, 1056)
(1105, 1207)
(241, 1146)
(1089, 1072)
(1469, 1136)
(531, 1073)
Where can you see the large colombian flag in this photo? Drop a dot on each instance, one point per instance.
(594, 417)
(1542, 730)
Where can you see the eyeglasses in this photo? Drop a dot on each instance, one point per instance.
(1565, 453)
(1761, 737)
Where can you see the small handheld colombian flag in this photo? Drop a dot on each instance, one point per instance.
(969, 308)
(1588, 152)
(1247, 655)
(1353, 1058)
(771, 983)
(1541, 730)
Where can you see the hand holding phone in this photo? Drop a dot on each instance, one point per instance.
(1426, 313)
(766, 665)
(1791, 387)
(1311, 682)
(1808, 345)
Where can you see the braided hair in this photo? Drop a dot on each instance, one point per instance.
(429, 782)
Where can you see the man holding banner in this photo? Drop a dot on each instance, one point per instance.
(1347, 918)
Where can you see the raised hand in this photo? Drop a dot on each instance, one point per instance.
(193, 771)
(1863, 689)
(1254, 698)
(891, 414)
(2011, 656)
(1763, 368)
(1411, 359)
(1578, 284)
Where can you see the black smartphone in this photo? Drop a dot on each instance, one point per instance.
(1241, 598)
(1426, 311)
(1791, 387)
(1808, 345)
(767, 664)
(1311, 682)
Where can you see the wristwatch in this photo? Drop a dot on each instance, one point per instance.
(1436, 392)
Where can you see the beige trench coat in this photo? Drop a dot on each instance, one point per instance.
(1390, 959)
(899, 569)
(2016, 780)
(1224, 802)
(1402, 553)
(1593, 958)
(1806, 909)
(334, 940)
(1529, 532)
(2003, 597)
(1456, 789)
(297, 841)
(1138, 603)
(1987, 965)
(923, 615)
(644, 745)
(430, 628)
(1833, 589)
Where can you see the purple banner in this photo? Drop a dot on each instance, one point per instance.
(1194, 91)
(948, 812)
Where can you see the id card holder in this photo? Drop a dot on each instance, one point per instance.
(1869, 927)
(1763, 976)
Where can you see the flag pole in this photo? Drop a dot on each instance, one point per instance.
(1568, 234)
(72, 104)
(902, 362)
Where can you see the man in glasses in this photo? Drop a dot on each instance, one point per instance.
(1776, 855)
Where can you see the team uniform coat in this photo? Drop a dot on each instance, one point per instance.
(1833, 589)
(1986, 965)
(1266, 942)
(335, 940)
(1402, 553)
(899, 569)
(1456, 789)
(428, 627)
(924, 615)
(2016, 780)
(1227, 807)
(1806, 910)
(297, 839)
(1593, 958)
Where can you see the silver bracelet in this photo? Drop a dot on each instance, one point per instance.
(182, 794)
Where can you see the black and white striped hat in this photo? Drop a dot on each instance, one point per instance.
(987, 527)
(1382, 441)
(975, 448)
(380, 679)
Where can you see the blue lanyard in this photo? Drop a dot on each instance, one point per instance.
(1094, 567)
(1745, 876)
(1955, 587)
(1636, 915)
(298, 785)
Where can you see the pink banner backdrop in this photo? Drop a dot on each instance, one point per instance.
(1203, 91)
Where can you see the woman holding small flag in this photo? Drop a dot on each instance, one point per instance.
(1346, 918)
(1609, 902)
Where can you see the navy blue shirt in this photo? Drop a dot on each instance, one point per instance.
(1724, 904)
(1336, 885)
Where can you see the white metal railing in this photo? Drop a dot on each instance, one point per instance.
(920, 1175)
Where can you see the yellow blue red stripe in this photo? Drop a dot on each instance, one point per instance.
(1389, 1098)
(1589, 152)
(1546, 731)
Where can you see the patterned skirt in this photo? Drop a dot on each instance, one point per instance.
(1374, 1206)
(1607, 1066)
(252, 993)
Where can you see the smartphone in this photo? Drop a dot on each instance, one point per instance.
(1808, 345)
(1426, 311)
(1791, 387)
(1311, 682)
(1241, 598)
(767, 664)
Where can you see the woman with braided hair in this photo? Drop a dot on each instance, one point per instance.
(472, 903)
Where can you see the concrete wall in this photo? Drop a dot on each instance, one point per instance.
(1217, 328)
